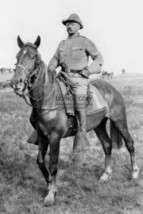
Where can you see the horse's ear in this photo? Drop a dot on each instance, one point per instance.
(38, 41)
(19, 41)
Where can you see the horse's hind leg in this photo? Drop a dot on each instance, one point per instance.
(121, 125)
(107, 147)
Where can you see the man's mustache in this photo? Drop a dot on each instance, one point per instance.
(69, 28)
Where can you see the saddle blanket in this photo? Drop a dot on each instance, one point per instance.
(94, 99)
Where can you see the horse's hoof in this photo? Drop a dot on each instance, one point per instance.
(135, 174)
(105, 177)
(50, 199)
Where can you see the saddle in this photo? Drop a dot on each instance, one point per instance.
(96, 104)
(95, 101)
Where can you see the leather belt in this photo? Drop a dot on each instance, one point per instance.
(75, 71)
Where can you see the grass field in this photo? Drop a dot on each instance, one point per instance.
(22, 187)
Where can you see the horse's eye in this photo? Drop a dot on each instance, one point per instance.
(33, 56)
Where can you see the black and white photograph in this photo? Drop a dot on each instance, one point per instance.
(71, 107)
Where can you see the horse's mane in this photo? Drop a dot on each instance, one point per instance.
(43, 68)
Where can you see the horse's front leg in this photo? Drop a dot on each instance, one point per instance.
(53, 162)
(42, 149)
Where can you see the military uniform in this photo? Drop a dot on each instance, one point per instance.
(72, 55)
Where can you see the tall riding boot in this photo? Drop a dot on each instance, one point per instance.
(81, 142)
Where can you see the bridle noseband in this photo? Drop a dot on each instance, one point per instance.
(24, 68)
(27, 79)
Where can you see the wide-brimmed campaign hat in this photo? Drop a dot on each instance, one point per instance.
(73, 18)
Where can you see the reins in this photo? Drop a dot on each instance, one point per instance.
(27, 80)
(46, 109)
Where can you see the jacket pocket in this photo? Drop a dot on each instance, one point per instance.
(77, 52)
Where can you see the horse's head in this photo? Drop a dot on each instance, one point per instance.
(27, 60)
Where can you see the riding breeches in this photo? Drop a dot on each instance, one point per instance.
(78, 86)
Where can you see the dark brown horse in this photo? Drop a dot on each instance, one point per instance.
(52, 123)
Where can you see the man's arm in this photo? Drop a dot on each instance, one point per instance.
(54, 62)
(95, 66)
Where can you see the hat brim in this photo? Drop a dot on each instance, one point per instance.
(66, 21)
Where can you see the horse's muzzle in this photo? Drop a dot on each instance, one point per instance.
(17, 85)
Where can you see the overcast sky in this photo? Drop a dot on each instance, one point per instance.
(115, 26)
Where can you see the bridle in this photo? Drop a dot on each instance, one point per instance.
(29, 86)
(27, 80)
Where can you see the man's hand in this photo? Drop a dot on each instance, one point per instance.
(53, 75)
(85, 73)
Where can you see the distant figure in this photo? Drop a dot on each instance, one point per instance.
(10, 70)
(1, 70)
(5, 70)
(123, 71)
(108, 75)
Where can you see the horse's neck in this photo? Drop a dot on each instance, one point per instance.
(43, 93)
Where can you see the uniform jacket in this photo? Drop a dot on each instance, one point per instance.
(73, 53)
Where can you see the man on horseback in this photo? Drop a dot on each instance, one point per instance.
(72, 56)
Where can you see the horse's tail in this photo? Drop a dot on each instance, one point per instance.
(116, 138)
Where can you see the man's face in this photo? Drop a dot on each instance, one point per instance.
(72, 27)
